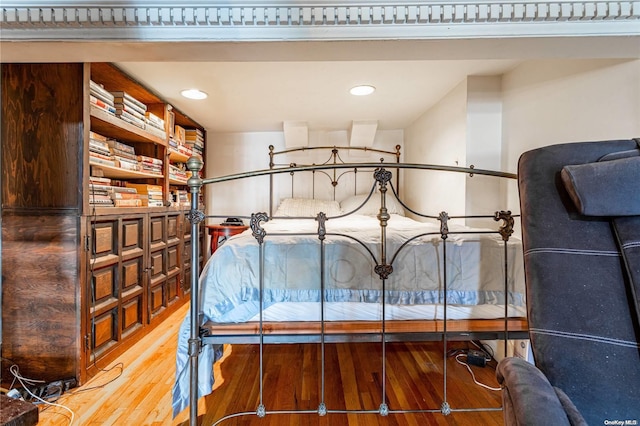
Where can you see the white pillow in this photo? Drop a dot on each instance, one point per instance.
(372, 208)
(307, 207)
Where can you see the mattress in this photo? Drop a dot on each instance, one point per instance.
(353, 311)
(230, 283)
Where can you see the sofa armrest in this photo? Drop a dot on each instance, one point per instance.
(529, 399)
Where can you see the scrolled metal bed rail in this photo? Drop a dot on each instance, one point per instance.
(383, 268)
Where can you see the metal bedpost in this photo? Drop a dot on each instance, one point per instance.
(383, 270)
(505, 231)
(321, 218)
(195, 216)
(271, 164)
(445, 408)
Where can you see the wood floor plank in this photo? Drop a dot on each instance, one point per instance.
(353, 379)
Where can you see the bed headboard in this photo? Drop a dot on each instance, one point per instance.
(339, 181)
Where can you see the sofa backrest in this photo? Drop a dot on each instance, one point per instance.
(583, 324)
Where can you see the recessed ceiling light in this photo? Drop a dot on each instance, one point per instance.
(194, 94)
(362, 90)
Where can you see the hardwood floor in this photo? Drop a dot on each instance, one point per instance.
(414, 371)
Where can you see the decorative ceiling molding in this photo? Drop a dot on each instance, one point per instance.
(341, 20)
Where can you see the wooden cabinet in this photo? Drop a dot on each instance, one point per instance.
(81, 282)
(116, 302)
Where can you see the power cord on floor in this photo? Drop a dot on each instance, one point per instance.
(25, 382)
(119, 365)
(458, 356)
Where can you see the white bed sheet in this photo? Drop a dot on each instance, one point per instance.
(349, 311)
(474, 268)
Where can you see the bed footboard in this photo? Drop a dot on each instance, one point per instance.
(224, 315)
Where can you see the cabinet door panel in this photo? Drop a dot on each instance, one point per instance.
(172, 259)
(104, 239)
(172, 228)
(132, 314)
(157, 234)
(132, 274)
(104, 285)
(104, 329)
(157, 264)
(131, 234)
(157, 299)
(173, 288)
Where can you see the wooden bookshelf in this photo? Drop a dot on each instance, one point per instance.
(108, 124)
(100, 278)
(120, 173)
(177, 156)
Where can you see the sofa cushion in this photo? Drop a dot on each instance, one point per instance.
(605, 188)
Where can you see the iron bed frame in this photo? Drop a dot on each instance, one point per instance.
(322, 332)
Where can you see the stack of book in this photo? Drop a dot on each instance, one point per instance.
(178, 171)
(150, 165)
(152, 194)
(185, 150)
(124, 155)
(180, 197)
(126, 197)
(194, 139)
(129, 108)
(101, 98)
(155, 125)
(99, 188)
(99, 151)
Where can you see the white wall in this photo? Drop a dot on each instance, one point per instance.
(438, 137)
(231, 153)
(484, 121)
(484, 194)
(556, 101)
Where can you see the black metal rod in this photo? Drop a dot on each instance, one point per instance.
(294, 169)
(195, 342)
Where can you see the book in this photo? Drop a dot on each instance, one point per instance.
(94, 154)
(100, 161)
(121, 146)
(130, 107)
(101, 91)
(127, 203)
(124, 154)
(131, 119)
(126, 195)
(127, 164)
(185, 150)
(100, 104)
(123, 189)
(100, 200)
(122, 108)
(156, 131)
(96, 136)
(144, 188)
(93, 187)
(150, 160)
(154, 120)
(100, 180)
(96, 143)
(179, 134)
(152, 203)
(124, 96)
(102, 153)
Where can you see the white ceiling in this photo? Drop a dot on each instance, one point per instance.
(256, 86)
(259, 96)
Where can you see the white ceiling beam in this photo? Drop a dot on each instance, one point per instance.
(160, 20)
